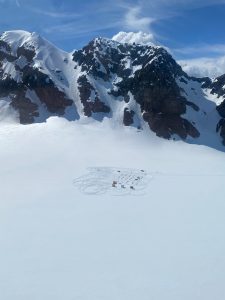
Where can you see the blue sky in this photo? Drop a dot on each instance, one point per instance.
(191, 29)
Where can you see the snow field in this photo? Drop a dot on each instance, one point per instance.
(58, 242)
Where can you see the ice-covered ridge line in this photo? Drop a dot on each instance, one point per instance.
(18, 38)
(51, 60)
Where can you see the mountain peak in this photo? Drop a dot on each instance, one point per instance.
(127, 79)
(21, 38)
(135, 37)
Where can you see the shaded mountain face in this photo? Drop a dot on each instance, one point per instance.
(131, 84)
(217, 88)
(135, 73)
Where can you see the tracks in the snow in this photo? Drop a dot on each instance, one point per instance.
(116, 181)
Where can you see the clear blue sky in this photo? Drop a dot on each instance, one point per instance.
(191, 28)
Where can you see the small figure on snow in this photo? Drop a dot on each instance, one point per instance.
(114, 184)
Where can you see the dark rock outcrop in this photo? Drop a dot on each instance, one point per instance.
(107, 76)
(128, 117)
(221, 125)
(91, 104)
(221, 109)
(221, 129)
(217, 87)
(149, 73)
(166, 125)
(29, 54)
(26, 108)
(31, 79)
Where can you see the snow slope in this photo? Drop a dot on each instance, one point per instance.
(59, 243)
(48, 57)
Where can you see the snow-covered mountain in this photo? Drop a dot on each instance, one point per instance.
(96, 208)
(127, 79)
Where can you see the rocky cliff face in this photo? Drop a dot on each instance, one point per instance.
(217, 88)
(142, 74)
(132, 84)
(25, 84)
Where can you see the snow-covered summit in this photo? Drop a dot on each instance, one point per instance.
(135, 37)
(23, 47)
(21, 38)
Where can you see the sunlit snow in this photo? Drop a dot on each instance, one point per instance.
(60, 242)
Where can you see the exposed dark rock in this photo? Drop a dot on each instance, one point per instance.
(148, 76)
(4, 46)
(8, 57)
(167, 125)
(26, 108)
(128, 117)
(27, 53)
(153, 85)
(183, 80)
(93, 105)
(31, 78)
(217, 86)
(55, 100)
(221, 109)
(7, 86)
(221, 129)
(193, 105)
(5, 52)
(155, 89)
(99, 107)
(205, 81)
